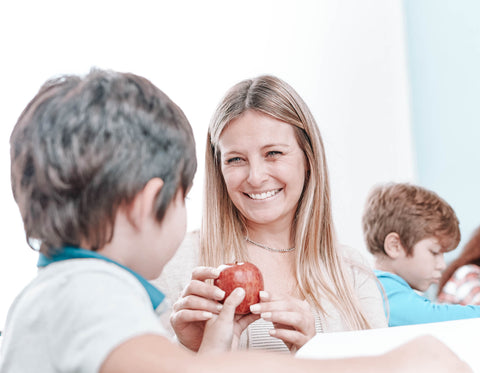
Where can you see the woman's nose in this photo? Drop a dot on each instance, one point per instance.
(257, 173)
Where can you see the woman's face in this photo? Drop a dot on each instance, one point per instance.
(263, 167)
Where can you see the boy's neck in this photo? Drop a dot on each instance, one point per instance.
(383, 263)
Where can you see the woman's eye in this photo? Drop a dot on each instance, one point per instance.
(273, 153)
(233, 160)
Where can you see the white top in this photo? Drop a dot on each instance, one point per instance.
(178, 272)
(72, 315)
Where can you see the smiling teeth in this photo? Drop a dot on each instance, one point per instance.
(264, 195)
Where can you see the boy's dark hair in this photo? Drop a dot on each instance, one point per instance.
(85, 146)
(413, 212)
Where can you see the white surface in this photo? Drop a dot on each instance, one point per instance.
(459, 335)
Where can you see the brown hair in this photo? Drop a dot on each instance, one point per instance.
(411, 211)
(469, 255)
(84, 146)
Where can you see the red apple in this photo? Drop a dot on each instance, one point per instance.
(241, 275)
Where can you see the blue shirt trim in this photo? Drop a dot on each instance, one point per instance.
(156, 296)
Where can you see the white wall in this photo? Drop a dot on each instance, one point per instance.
(345, 57)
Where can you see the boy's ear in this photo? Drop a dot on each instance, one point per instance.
(144, 201)
(393, 246)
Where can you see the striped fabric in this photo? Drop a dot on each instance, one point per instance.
(463, 287)
(257, 336)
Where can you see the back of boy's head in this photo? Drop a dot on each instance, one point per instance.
(85, 146)
(411, 211)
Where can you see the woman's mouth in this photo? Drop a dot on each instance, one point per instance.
(263, 195)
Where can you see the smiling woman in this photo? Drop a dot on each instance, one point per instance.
(264, 170)
(267, 201)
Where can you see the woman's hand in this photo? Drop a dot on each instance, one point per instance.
(199, 303)
(292, 318)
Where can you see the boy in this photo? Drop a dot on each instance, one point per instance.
(100, 168)
(408, 228)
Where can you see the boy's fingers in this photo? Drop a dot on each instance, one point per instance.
(231, 303)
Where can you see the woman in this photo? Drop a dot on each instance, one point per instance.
(460, 282)
(267, 201)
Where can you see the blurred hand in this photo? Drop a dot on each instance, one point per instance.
(424, 354)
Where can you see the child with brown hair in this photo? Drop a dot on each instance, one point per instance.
(408, 228)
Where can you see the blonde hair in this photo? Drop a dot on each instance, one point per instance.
(319, 269)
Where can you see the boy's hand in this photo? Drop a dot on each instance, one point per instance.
(222, 332)
(199, 303)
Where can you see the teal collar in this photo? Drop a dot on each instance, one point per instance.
(156, 296)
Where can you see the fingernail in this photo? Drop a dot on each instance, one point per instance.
(219, 307)
(255, 308)
(219, 294)
(239, 291)
(207, 315)
(215, 272)
(263, 294)
(266, 315)
(272, 332)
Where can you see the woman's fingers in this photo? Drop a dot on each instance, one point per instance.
(292, 338)
(202, 289)
(272, 303)
(205, 273)
(188, 316)
(193, 302)
(293, 319)
(304, 323)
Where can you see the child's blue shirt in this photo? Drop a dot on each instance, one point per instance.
(406, 307)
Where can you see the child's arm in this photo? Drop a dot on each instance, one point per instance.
(155, 354)
(406, 307)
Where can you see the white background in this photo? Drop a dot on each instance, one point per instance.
(346, 58)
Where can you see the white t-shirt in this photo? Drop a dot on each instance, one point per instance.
(72, 315)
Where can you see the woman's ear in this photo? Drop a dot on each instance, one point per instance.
(144, 202)
(393, 246)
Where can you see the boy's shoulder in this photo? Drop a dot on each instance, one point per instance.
(77, 300)
(75, 278)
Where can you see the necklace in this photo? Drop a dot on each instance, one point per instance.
(269, 248)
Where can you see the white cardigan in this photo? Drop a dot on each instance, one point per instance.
(177, 274)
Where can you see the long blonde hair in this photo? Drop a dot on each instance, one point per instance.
(319, 269)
